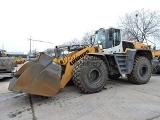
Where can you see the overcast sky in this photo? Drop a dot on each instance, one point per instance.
(59, 21)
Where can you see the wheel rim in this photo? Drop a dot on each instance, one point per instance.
(94, 76)
(143, 70)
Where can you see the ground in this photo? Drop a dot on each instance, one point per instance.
(120, 100)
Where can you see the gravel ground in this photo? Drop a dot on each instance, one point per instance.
(120, 100)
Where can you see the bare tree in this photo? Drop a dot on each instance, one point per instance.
(86, 37)
(49, 51)
(74, 41)
(34, 52)
(84, 41)
(141, 24)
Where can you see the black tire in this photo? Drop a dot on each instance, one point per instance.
(156, 70)
(90, 74)
(141, 72)
(114, 77)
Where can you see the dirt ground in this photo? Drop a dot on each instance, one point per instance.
(120, 100)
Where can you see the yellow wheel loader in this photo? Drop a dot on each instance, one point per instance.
(89, 66)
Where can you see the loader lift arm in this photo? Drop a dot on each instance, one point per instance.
(46, 76)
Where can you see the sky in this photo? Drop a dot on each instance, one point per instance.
(59, 21)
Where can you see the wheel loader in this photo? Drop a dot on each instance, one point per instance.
(88, 66)
(7, 65)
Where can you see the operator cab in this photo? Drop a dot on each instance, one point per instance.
(109, 40)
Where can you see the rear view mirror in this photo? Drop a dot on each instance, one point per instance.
(99, 42)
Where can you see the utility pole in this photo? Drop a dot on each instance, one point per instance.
(30, 45)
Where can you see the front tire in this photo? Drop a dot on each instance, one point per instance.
(90, 74)
(141, 72)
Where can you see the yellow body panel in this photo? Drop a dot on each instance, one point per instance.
(156, 53)
(139, 45)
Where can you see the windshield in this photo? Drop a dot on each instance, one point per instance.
(100, 36)
(107, 38)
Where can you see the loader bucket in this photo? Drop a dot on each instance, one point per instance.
(24, 67)
(39, 78)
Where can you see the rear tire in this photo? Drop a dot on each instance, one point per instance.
(141, 72)
(90, 74)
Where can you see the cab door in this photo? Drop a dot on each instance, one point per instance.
(113, 43)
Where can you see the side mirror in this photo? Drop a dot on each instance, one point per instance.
(99, 42)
